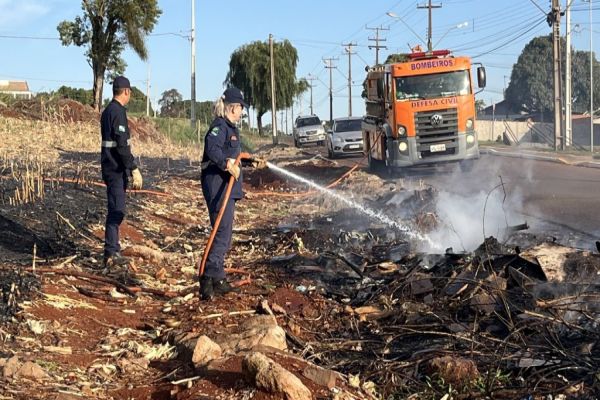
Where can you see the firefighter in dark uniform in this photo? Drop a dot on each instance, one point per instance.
(221, 148)
(117, 167)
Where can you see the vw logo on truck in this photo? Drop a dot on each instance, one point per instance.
(436, 119)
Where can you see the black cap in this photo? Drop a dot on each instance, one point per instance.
(121, 82)
(234, 95)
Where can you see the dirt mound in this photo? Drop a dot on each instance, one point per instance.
(144, 128)
(54, 110)
(68, 111)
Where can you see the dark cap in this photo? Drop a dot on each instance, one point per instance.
(121, 82)
(234, 95)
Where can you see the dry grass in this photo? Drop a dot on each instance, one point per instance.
(46, 140)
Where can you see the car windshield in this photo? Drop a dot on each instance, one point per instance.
(348, 125)
(455, 83)
(308, 122)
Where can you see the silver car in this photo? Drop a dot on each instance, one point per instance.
(308, 129)
(345, 137)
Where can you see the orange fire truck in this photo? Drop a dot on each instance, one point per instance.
(421, 111)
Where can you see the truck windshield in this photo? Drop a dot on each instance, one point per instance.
(446, 84)
(348, 125)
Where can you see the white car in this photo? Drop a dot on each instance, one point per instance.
(308, 129)
(345, 137)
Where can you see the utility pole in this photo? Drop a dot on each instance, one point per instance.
(430, 8)
(568, 81)
(377, 39)
(329, 65)
(286, 121)
(148, 93)
(193, 102)
(554, 20)
(591, 83)
(273, 109)
(311, 79)
(350, 53)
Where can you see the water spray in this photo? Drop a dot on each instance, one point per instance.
(363, 209)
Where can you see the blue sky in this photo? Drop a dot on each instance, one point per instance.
(495, 35)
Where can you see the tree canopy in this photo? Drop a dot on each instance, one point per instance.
(250, 71)
(531, 81)
(105, 29)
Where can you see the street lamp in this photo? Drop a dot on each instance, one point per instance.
(395, 16)
(461, 25)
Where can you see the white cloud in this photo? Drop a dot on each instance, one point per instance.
(18, 14)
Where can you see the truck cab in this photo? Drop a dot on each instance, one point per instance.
(421, 111)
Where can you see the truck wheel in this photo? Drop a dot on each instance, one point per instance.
(376, 165)
(296, 144)
(467, 165)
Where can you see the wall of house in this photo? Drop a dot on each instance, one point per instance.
(537, 132)
(581, 132)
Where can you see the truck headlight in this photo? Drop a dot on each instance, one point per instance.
(402, 146)
(469, 124)
(470, 139)
(401, 131)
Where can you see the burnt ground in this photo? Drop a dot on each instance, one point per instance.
(353, 294)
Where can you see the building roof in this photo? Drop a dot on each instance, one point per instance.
(14, 86)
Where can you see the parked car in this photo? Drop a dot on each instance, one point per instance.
(345, 137)
(308, 129)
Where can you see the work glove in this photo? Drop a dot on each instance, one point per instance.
(259, 163)
(233, 168)
(137, 180)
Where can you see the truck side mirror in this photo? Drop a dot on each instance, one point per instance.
(481, 78)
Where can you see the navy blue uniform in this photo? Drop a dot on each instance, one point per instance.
(222, 141)
(117, 163)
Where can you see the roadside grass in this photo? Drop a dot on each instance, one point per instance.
(180, 131)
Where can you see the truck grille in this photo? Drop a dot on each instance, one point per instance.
(429, 134)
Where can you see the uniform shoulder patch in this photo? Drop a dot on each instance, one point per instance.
(214, 131)
(121, 128)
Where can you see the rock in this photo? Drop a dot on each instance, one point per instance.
(272, 336)
(205, 351)
(31, 370)
(259, 321)
(11, 367)
(320, 376)
(272, 377)
(456, 371)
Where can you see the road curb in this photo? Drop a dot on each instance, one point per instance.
(539, 157)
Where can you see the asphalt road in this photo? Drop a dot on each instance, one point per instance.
(560, 199)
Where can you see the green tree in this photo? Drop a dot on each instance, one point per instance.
(531, 80)
(137, 103)
(79, 94)
(105, 28)
(169, 103)
(479, 105)
(250, 71)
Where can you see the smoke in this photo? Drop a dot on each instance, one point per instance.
(471, 206)
(466, 221)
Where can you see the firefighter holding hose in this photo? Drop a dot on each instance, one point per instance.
(222, 187)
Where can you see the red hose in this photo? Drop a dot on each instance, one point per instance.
(215, 228)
